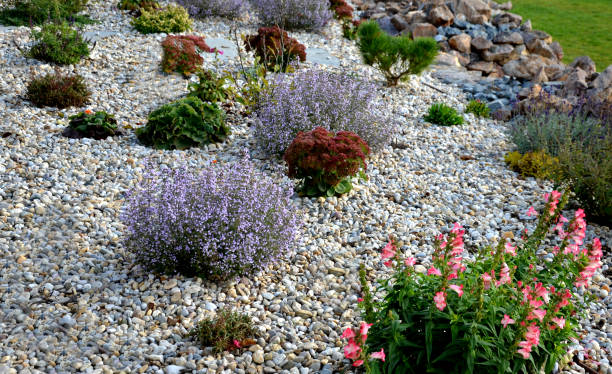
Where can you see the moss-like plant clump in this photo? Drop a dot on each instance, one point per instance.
(137, 5)
(479, 108)
(184, 123)
(170, 19)
(59, 44)
(38, 12)
(58, 90)
(533, 164)
(442, 114)
(227, 331)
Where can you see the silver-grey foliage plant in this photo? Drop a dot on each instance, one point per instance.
(312, 98)
(293, 14)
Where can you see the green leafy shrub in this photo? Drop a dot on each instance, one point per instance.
(182, 53)
(88, 124)
(326, 162)
(479, 108)
(210, 87)
(58, 90)
(184, 123)
(583, 145)
(60, 44)
(226, 332)
(172, 18)
(136, 5)
(508, 310)
(442, 114)
(533, 164)
(394, 56)
(38, 12)
(275, 49)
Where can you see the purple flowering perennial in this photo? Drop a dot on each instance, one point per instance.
(206, 8)
(293, 14)
(225, 221)
(312, 98)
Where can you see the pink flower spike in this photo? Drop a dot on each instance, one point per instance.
(433, 271)
(458, 289)
(379, 355)
(388, 251)
(531, 212)
(440, 300)
(358, 363)
(348, 333)
(525, 349)
(352, 350)
(537, 313)
(364, 328)
(510, 249)
(237, 343)
(410, 261)
(507, 320)
(559, 321)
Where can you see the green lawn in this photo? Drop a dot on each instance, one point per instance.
(583, 27)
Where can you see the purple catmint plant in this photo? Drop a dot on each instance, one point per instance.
(205, 8)
(314, 98)
(293, 14)
(220, 222)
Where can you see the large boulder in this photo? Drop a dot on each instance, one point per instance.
(576, 84)
(556, 47)
(508, 38)
(558, 72)
(484, 66)
(540, 47)
(585, 63)
(399, 22)
(526, 67)
(604, 80)
(423, 30)
(447, 59)
(514, 20)
(441, 16)
(416, 16)
(530, 37)
(500, 53)
(476, 11)
(460, 42)
(481, 44)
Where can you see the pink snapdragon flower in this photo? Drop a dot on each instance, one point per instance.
(510, 249)
(440, 300)
(559, 321)
(456, 288)
(410, 261)
(379, 355)
(352, 350)
(531, 212)
(388, 251)
(487, 279)
(358, 363)
(433, 271)
(537, 313)
(525, 349)
(348, 333)
(363, 330)
(507, 321)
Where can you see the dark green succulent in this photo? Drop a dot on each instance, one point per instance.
(88, 124)
(184, 123)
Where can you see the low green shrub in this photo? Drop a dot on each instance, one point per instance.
(479, 108)
(137, 5)
(326, 162)
(170, 19)
(184, 123)
(505, 308)
(210, 87)
(182, 53)
(226, 332)
(58, 90)
(533, 164)
(275, 49)
(88, 124)
(442, 114)
(38, 12)
(396, 57)
(59, 44)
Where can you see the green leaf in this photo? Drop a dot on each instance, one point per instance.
(429, 339)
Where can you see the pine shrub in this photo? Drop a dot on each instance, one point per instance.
(58, 90)
(325, 162)
(59, 44)
(309, 15)
(181, 53)
(442, 114)
(217, 223)
(170, 19)
(315, 98)
(223, 8)
(184, 123)
(275, 49)
(396, 57)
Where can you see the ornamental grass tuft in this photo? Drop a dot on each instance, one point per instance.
(443, 115)
(216, 223)
(315, 98)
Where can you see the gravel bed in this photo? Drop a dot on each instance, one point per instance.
(73, 300)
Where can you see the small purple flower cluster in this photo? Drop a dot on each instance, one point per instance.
(315, 98)
(225, 221)
(293, 14)
(205, 8)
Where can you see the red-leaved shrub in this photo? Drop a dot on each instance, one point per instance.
(341, 9)
(326, 161)
(181, 53)
(275, 48)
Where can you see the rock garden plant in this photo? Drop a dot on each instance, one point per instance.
(442, 114)
(275, 49)
(181, 53)
(88, 124)
(211, 87)
(315, 98)
(231, 9)
(184, 123)
(38, 12)
(227, 331)
(134, 6)
(59, 44)
(219, 222)
(479, 108)
(536, 164)
(326, 162)
(512, 308)
(396, 57)
(309, 15)
(171, 19)
(58, 90)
